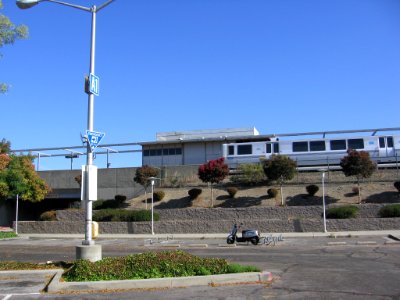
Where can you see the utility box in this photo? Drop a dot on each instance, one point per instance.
(89, 183)
(95, 230)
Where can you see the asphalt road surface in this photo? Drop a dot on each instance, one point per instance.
(303, 268)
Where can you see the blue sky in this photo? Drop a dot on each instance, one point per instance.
(168, 65)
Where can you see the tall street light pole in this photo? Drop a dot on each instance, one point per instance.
(89, 191)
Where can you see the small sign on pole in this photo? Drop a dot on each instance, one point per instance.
(94, 138)
(94, 82)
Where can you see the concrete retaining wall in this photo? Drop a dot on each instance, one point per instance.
(217, 220)
(221, 226)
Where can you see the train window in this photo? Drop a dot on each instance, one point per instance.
(231, 150)
(276, 148)
(390, 141)
(382, 142)
(317, 145)
(244, 149)
(338, 145)
(269, 148)
(300, 146)
(355, 143)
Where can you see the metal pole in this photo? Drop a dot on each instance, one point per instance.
(152, 207)
(89, 155)
(323, 200)
(38, 162)
(16, 216)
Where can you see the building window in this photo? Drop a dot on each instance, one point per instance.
(338, 145)
(245, 149)
(146, 153)
(355, 143)
(300, 146)
(317, 146)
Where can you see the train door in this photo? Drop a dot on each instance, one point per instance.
(386, 148)
(272, 148)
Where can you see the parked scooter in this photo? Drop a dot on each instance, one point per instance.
(248, 235)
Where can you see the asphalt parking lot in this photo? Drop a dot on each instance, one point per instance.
(348, 267)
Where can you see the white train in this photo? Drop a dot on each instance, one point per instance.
(309, 153)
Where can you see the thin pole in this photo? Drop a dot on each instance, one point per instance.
(152, 207)
(323, 200)
(89, 155)
(16, 216)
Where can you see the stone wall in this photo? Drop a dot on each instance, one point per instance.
(218, 220)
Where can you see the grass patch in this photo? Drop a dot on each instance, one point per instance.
(7, 234)
(16, 265)
(138, 266)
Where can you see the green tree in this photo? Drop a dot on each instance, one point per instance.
(213, 172)
(358, 164)
(250, 174)
(9, 33)
(142, 176)
(280, 168)
(20, 178)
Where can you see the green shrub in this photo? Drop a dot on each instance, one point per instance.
(104, 204)
(194, 193)
(250, 174)
(312, 189)
(355, 190)
(120, 198)
(342, 212)
(48, 216)
(232, 191)
(122, 215)
(390, 211)
(272, 192)
(158, 196)
(149, 265)
(397, 185)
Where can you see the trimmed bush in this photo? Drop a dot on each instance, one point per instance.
(342, 212)
(232, 191)
(48, 216)
(355, 190)
(390, 211)
(104, 204)
(158, 196)
(120, 198)
(397, 185)
(194, 193)
(272, 192)
(312, 189)
(122, 215)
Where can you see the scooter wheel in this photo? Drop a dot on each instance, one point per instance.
(254, 241)
(230, 241)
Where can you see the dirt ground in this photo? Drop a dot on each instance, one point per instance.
(294, 194)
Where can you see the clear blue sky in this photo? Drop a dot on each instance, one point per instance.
(165, 65)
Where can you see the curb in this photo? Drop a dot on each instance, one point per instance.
(56, 285)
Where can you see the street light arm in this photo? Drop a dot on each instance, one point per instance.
(104, 5)
(24, 4)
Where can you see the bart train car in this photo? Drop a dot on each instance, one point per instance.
(314, 153)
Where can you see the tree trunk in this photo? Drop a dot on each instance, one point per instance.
(212, 196)
(359, 191)
(282, 195)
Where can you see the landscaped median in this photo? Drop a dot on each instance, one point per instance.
(164, 269)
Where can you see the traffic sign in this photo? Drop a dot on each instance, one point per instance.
(94, 82)
(94, 138)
